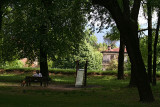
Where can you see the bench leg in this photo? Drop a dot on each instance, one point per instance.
(26, 83)
(40, 83)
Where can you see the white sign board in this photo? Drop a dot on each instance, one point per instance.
(79, 78)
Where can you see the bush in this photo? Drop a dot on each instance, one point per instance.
(113, 65)
(13, 64)
(50, 63)
(127, 65)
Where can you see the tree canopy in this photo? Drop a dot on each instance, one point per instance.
(87, 51)
(29, 24)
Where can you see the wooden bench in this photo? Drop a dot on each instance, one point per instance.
(41, 80)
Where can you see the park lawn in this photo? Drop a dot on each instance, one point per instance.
(110, 93)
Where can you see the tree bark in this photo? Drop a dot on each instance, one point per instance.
(43, 63)
(1, 48)
(1, 15)
(127, 24)
(121, 60)
(149, 12)
(155, 51)
(77, 66)
(132, 82)
(43, 52)
(85, 73)
(138, 66)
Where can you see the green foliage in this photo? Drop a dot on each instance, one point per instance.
(113, 65)
(144, 49)
(127, 65)
(29, 71)
(113, 34)
(12, 64)
(55, 26)
(50, 63)
(112, 37)
(102, 47)
(85, 52)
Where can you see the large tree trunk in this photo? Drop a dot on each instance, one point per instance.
(149, 41)
(1, 52)
(126, 21)
(138, 66)
(43, 52)
(1, 15)
(132, 82)
(121, 60)
(43, 63)
(155, 50)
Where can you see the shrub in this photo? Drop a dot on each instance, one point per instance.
(127, 65)
(50, 63)
(113, 65)
(13, 64)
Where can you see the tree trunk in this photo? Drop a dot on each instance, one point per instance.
(85, 73)
(77, 66)
(121, 60)
(43, 52)
(155, 51)
(131, 41)
(149, 41)
(1, 16)
(1, 47)
(132, 82)
(43, 63)
(130, 30)
(126, 21)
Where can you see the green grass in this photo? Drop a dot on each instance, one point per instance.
(110, 93)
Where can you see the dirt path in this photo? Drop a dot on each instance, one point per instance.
(61, 87)
(70, 87)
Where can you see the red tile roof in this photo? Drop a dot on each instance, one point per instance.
(114, 50)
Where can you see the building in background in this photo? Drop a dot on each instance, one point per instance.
(111, 54)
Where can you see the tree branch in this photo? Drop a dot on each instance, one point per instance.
(144, 30)
(113, 7)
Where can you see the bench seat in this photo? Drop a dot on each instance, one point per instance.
(41, 80)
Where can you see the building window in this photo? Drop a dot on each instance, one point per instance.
(112, 57)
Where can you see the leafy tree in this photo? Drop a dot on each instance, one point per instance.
(114, 34)
(102, 47)
(91, 39)
(41, 29)
(154, 6)
(86, 51)
(110, 42)
(144, 48)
